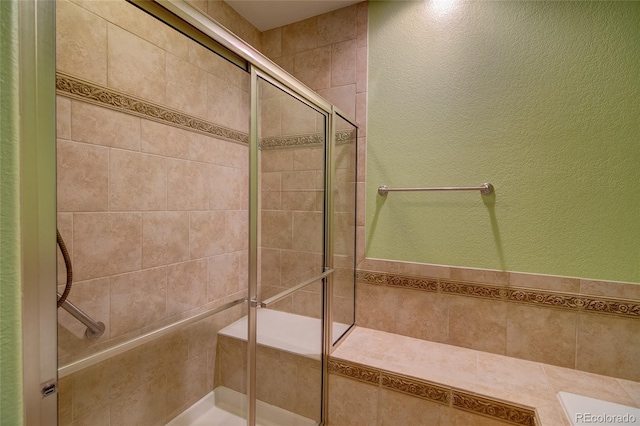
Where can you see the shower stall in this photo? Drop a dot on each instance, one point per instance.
(207, 202)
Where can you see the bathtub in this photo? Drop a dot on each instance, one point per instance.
(288, 332)
(583, 410)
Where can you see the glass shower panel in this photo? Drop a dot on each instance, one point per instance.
(343, 298)
(291, 245)
(152, 197)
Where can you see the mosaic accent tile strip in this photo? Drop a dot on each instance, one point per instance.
(303, 140)
(568, 301)
(454, 398)
(80, 89)
(354, 371)
(414, 387)
(76, 88)
(490, 408)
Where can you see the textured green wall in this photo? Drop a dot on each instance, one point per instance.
(542, 99)
(10, 289)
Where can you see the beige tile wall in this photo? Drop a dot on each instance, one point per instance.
(154, 216)
(328, 54)
(583, 339)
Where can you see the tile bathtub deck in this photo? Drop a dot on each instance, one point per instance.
(526, 383)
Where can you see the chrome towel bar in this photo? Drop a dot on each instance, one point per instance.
(94, 329)
(485, 189)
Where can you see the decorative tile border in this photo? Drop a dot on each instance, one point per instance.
(569, 301)
(342, 137)
(453, 398)
(354, 371)
(491, 408)
(77, 88)
(414, 387)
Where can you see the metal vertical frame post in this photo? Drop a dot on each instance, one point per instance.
(38, 210)
(330, 142)
(253, 251)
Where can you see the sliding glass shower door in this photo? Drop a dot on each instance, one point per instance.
(291, 243)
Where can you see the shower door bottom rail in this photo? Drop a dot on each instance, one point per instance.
(90, 360)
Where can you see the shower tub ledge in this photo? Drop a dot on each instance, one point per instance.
(506, 389)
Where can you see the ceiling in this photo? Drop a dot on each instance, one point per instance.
(268, 14)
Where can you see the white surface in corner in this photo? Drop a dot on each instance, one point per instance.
(226, 407)
(289, 332)
(583, 410)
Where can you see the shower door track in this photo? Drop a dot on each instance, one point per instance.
(141, 340)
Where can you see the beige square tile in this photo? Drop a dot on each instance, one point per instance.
(343, 63)
(227, 272)
(362, 159)
(207, 234)
(377, 307)
(101, 126)
(344, 97)
(299, 180)
(529, 336)
(345, 228)
(296, 117)
(587, 384)
(363, 23)
(63, 117)
(484, 276)
(158, 356)
(235, 155)
(187, 382)
(311, 158)
(187, 185)
(270, 266)
(137, 181)
(146, 405)
(515, 376)
(138, 299)
(620, 337)
(106, 244)
(299, 200)
(610, 289)
(142, 24)
(544, 282)
(186, 87)
(285, 62)
(165, 238)
(65, 400)
(96, 417)
(83, 177)
(205, 149)
(276, 381)
(299, 266)
(227, 105)
(90, 390)
(308, 231)
(136, 66)
(232, 362)
(229, 189)
(423, 270)
(206, 60)
(453, 417)
(186, 286)
(124, 371)
(277, 229)
(337, 26)
(379, 265)
(276, 160)
(361, 112)
(300, 36)
(361, 69)
(352, 402)
(313, 67)
(478, 324)
(307, 304)
(423, 315)
(395, 408)
(271, 42)
(165, 140)
(308, 392)
(81, 42)
(236, 230)
(269, 111)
